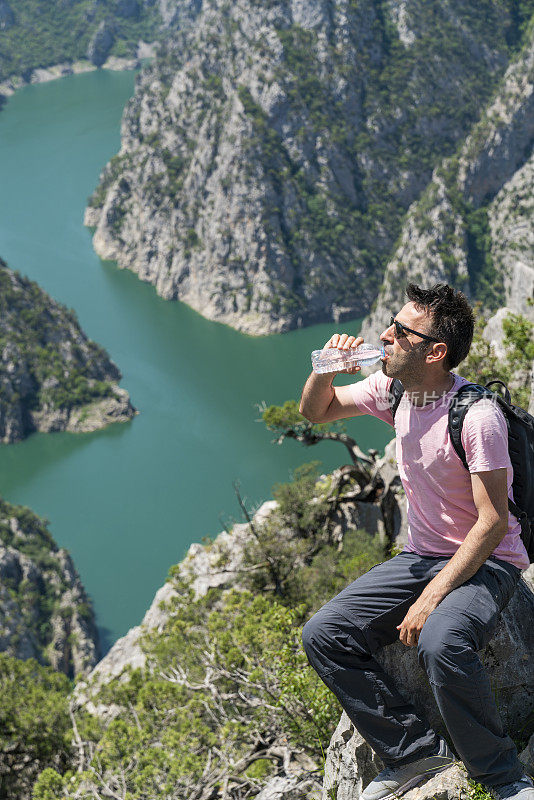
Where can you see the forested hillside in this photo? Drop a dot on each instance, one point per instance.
(37, 34)
(45, 613)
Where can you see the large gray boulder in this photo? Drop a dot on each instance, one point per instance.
(508, 659)
(351, 763)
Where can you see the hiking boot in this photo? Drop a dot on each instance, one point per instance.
(523, 789)
(393, 781)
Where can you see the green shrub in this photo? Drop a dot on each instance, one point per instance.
(35, 729)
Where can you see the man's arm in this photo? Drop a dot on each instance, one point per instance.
(490, 493)
(322, 402)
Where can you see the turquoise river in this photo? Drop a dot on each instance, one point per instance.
(129, 500)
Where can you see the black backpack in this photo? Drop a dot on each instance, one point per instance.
(520, 445)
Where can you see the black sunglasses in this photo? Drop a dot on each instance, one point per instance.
(401, 330)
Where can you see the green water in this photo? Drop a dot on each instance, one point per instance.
(129, 500)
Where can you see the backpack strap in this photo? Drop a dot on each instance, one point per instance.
(507, 396)
(520, 515)
(466, 396)
(396, 390)
(462, 401)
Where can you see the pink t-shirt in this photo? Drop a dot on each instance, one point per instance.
(441, 508)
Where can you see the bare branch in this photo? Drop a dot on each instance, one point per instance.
(77, 739)
(135, 716)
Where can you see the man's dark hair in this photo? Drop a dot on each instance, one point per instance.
(451, 316)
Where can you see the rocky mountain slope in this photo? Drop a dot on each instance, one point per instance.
(52, 377)
(270, 152)
(474, 222)
(44, 611)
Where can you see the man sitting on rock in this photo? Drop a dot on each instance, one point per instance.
(444, 592)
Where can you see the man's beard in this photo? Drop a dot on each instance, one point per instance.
(409, 370)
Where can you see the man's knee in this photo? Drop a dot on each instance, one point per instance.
(331, 641)
(310, 635)
(445, 650)
(320, 632)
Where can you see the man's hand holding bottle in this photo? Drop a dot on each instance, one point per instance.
(345, 353)
(344, 341)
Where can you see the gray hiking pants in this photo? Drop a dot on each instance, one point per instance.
(342, 637)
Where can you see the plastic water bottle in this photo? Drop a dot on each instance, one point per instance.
(334, 360)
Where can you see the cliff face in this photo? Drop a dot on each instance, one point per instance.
(473, 225)
(511, 216)
(44, 611)
(270, 151)
(52, 377)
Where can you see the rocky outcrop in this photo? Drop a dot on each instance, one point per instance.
(512, 239)
(259, 179)
(351, 763)
(52, 377)
(507, 658)
(87, 417)
(295, 787)
(44, 611)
